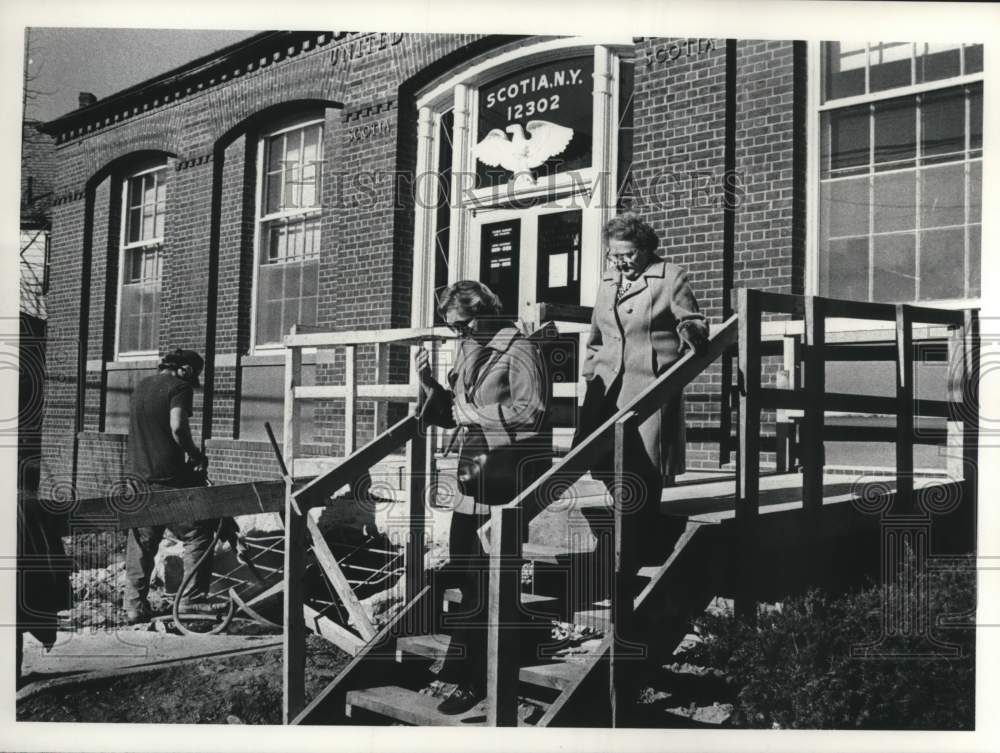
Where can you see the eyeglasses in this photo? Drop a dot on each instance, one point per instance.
(629, 256)
(462, 327)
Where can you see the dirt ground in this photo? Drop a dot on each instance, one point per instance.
(238, 689)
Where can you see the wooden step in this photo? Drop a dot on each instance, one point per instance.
(419, 709)
(410, 707)
(537, 602)
(556, 675)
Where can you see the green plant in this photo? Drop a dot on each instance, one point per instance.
(796, 668)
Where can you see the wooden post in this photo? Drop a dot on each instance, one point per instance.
(904, 411)
(784, 427)
(350, 400)
(626, 518)
(417, 457)
(970, 408)
(811, 444)
(504, 593)
(293, 631)
(748, 453)
(955, 442)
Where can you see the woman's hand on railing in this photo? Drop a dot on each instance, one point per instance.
(422, 364)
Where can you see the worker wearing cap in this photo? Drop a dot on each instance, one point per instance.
(162, 455)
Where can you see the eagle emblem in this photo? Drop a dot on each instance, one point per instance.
(520, 154)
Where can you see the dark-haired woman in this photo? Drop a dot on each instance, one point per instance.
(497, 397)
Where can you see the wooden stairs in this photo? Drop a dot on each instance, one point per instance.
(557, 678)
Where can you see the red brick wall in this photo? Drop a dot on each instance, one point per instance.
(210, 124)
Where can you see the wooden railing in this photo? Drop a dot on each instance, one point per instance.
(301, 498)
(805, 391)
(502, 534)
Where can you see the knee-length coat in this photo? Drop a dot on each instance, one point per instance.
(502, 390)
(637, 338)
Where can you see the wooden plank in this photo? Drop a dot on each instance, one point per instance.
(320, 392)
(577, 461)
(811, 449)
(587, 677)
(556, 674)
(410, 707)
(331, 568)
(291, 413)
(748, 454)
(624, 567)
(778, 303)
(293, 628)
(388, 391)
(328, 705)
(836, 308)
(564, 312)
(350, 399)
(503, 599)
(317, 491)
(326, 628)
(928, 315)
(970, 404)
(771, 397)
(904, 411)
(150, 508)
(402, 336)
(859, 353)
(418, 457)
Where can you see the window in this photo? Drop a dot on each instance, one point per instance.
(144, 204)
(288, 237)
(900, 172)
(535, 130)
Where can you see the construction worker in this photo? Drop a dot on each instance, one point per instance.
(162, 455)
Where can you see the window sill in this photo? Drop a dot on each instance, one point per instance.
(133, 362)
(275, 357)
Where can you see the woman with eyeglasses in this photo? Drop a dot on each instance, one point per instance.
(496, 402)
(645, 318)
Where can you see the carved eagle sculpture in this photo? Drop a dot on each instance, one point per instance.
(519, 154)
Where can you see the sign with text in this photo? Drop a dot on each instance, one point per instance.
(500, 251)
(536, 122)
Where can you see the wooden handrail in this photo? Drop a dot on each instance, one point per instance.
(505, 525)
(577, 461)
(353, 466)
(401, 336)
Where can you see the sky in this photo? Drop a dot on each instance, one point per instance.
(67, 61)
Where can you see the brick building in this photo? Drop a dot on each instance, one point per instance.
(338, 179)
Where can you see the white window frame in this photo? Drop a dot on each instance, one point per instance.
(124, 247)
(259, 220)
(816, 107)
(459, 94)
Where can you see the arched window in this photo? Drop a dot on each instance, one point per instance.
(518, 167)
(289, 213)
(144, 208)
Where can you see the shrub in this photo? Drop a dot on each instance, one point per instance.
(795, 669)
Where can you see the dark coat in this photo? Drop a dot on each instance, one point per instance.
(503, 390)
(637, 339)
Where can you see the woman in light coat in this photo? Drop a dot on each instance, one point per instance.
(497, 402)
(645, 317)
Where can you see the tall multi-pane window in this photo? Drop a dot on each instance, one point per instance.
(900, 171)
(144, 210)
(288, 230)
